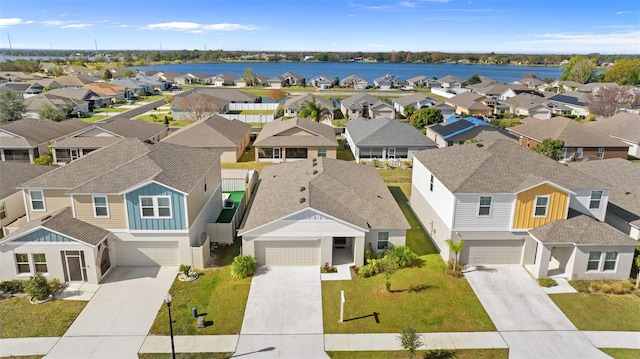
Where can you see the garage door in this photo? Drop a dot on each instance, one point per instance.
(492, 252)
(147, 254)
(288, 253)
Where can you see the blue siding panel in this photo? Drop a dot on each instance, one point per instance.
(136, 222)
(43, 235)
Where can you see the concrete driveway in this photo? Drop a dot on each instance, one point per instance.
(528, 320)
(118, 317)
(283, 318)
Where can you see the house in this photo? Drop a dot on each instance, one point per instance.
(133, 87)
(294, 139)
(76, 81)
(367, 106)
(535, 105)
(27, 139)
(462, 130)
(623, 210)
(450, 81)
(319, 211)
(622, 126)
(469, 103)
(224, 79)
(576, 101)
(13, 174)
(387, 82)
(127, 204)
(93, 99)
(417, 81)
(205, 101)
(322, 82)
(293, 79)
(417, 101)
(35, 104)
(293, 106)
(514, 206)
(229, 137)
(276, 82)
(384, 139)
(530, 82)
(354, 81)
(98, 135)
(107, 90)
(157, 83)
(580, 141)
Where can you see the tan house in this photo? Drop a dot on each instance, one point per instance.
(622, 126)
(293, 106)
(469, 103)
(230, 137)
(295, 139)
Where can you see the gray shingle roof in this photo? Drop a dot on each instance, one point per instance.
(356, 100)
(410, 99)
(213, 132)
(500, 166)
(13, 174)
(581, 229)
(274, 133)
(296, 102)
(385, 132)
(574, 134)
(36, 132)
(345, 190)
(85, 142)
(622, 125)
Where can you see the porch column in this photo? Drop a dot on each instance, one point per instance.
(358, 250)
(543, 255)
(2, 155)
(31, 158)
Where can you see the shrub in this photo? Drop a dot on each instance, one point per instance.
(185, 269)
(410, 340)
(12, 286)
(369, 253)
(595, 286)
(375, 162)
(37, 287)
(547, 282)
(606, 288)
(579, 285)
(328, 269)
(243, 266)
(402, 255)
(364, 162)
(621, 287)
(45, 160)
(55, 285)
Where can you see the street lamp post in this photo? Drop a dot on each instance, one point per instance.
(167, 299)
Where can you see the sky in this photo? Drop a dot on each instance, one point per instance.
(481, 26)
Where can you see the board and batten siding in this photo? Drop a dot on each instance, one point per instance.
(117, 215)
(44, 236)
(54, 200)
(467, 218)
(177, 221)
(197, 198)
(525, 204)
(580, 202)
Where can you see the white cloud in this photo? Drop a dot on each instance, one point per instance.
(53, 22)
(616, 42)
(200, 28)
(6, 22)
(407, 4)
(76, 26)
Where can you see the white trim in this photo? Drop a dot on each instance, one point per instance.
(186, 207)
(73, 207)
(44, 203)
(155, 206)
(599, 200)
(24, 199)
(550, 184)
(106, 200)
(546, 207)
(162, 231)
(131, 189)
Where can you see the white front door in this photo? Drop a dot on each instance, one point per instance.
(75, 266)
(277, 153)
(391, 153)
(74, 154)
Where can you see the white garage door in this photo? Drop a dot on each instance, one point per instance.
(492, 252)
(288, 253)
(147, 254)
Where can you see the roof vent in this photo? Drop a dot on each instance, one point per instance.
(314, 160)
(302, 200)
(479, 145)
(315, 172)
(315, 164)
(302, 188)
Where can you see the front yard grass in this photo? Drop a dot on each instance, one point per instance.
(248, 161)
(444, 354)
(619, 353)
(110, 109)
(21, 319)
(215, 293)
(422, 297)
(344, 153)
(185, 355)
(160, 120)
(601, 311)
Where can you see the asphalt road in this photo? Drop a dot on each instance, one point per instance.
(135, 111)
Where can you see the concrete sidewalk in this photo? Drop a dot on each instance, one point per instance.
(389, 341)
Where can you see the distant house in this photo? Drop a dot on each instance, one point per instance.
(276, 82)
(469, 103)
(460, 131)
(133, 86)
(384, 139)
(354, 81)
(580, 141)
(417, 101)
(576, 101)
(224, 79)
(95, 100)
(387, 82)
(367, 106)
(417, 81)
(322, 82)
(35, 104)
(76, 81)
(206, 101)
(450, 81)
(107, 90)
(293, 106)
(623, 126)
(294, 139)
(293, 79)
(229, 137)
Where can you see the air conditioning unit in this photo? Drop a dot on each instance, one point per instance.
(227, 204)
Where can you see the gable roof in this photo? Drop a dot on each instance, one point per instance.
(573, 133)
(356, 101)
(481, 168)
(272, 134)
(105, 88)
(410, 99)
(449, 129)
(580, 229)
(468, 100)
(386, 132)
(345, 190)
(622, 125)
(13, 174)
(34, 132)
(121, 127)
(213, 132)
(218, 96)
(296, 102)
(570, 98)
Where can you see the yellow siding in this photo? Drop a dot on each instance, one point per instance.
(54, 200)
(117, 213)
(197, 198)
(525, 203)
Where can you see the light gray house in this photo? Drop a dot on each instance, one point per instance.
(293, 106)
(417, 101)
(367, 106)
(357, 82)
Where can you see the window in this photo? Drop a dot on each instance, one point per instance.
(322, 152)
(596, 199)
(383, 240)
(155, 207)
(205, 184)
(485, 206)
(601, 152)
(431, 184)
(567, 153)
(461, 142)
(579, 151)
(542, 204)
(610, 260)
(594, 260)
(296, 152)
(528, 143)
(22, 262)
(449, 143)
(40, 262)
(3, 211)
(37, 201)
(100, 206)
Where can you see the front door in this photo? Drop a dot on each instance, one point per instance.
(276, 153)
(391, 153)
(75, 267)
(74, 154)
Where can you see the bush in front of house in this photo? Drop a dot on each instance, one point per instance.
(38, 287)
(243, 266)
(580, 285)
(602, 286)
(402, 255)
(12, 286)
(547, 282)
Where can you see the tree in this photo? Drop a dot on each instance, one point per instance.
(389, 266)
(45, 160)
(579, 69)
(474, 79)
(107, 75)
(455, 247)
(249, 77)
(128, 73)
(52, 113)
(607, 100)
(410, 340)
(426, 116)
(277, 95)
(409, 111)
(550, 148)
(314, 111)
(624, 72)
(198, 106)
(12, 106)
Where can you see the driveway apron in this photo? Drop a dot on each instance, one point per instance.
(283, 318)
(118, 317)
(528, 320)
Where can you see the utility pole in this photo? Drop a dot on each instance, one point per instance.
(10, 47)
(160, 50)
(96, 43)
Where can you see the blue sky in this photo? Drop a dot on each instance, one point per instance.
(502, 26)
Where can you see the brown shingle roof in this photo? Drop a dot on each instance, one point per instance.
(35, 132)
(13, 174)
(296, 102)
(581, 229)
(274, 134)
(213, 132)
(622, 125)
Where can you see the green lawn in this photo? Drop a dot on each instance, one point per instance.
(339, 123)
(248, 161)
(601, 311)
(160, 120)
(441, 354)
(151, 98)
(417, 238)
(21, 319)
(112, 110)
(618, 353)
(215, 293)
(344, 153)
(186, 356)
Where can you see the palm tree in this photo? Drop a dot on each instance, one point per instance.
(455, 247)
(313, 110)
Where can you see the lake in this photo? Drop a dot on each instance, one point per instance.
(366, 70)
